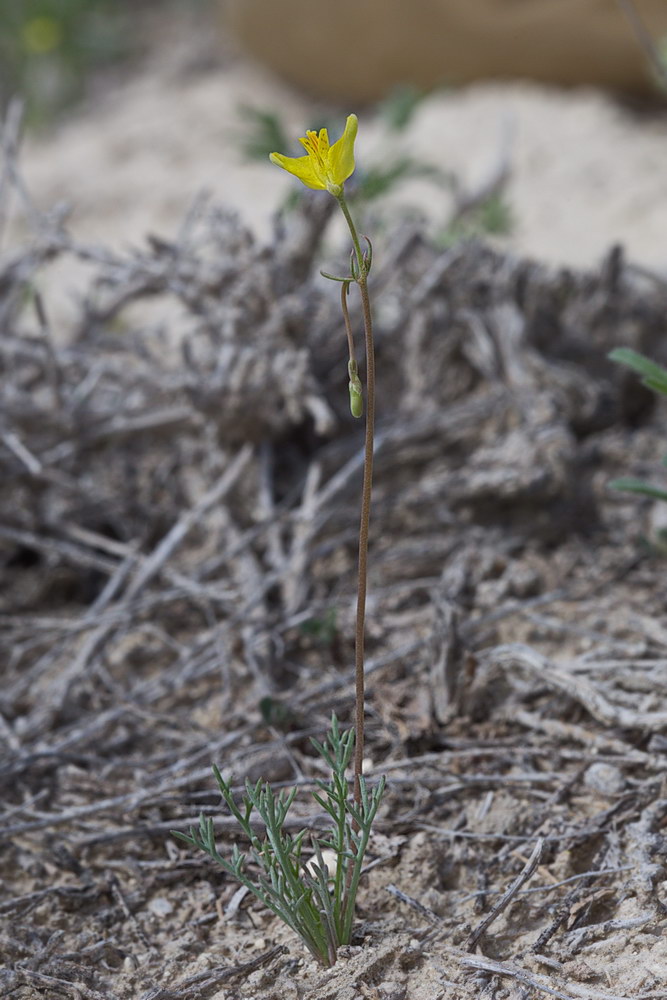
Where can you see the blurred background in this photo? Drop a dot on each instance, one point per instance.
(541, 125)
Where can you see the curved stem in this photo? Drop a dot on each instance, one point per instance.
(364, 523)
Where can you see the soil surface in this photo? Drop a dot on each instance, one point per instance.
(179, 488)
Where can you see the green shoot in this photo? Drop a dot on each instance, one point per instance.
(317, 904)
(322, 630)
(653, 377)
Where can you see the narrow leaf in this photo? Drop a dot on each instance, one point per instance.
(637, 486)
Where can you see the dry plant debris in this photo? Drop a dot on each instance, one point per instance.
(179, 482)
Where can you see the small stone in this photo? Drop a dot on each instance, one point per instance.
(348, 950)
(606, 779)
(160, 906)
(392, 990)
(330, 859)
(411, 956)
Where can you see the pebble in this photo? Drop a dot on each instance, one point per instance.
(606, 779)
(160, 906)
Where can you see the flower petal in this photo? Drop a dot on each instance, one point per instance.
(302, 167)
(341, 154)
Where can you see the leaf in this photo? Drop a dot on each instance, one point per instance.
(657, 384)
(654, 376)
(184, 837)
(630, 485)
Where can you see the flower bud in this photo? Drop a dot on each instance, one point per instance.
(356, 392)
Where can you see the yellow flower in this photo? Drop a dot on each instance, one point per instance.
(41, 34)
(325, 168)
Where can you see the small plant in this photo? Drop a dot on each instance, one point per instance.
(322, 629)
(491, 216)
(49, 48)
(319, 907)
(653, 377)
(316, 903)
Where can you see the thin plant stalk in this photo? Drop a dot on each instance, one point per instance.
(364, 522)
(344, 292)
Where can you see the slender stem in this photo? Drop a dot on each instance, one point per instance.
(344, 289)
(364, 525)
(362, 282)
(353, 232)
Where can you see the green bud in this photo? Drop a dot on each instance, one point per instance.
(356, 391)
(356, 402)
